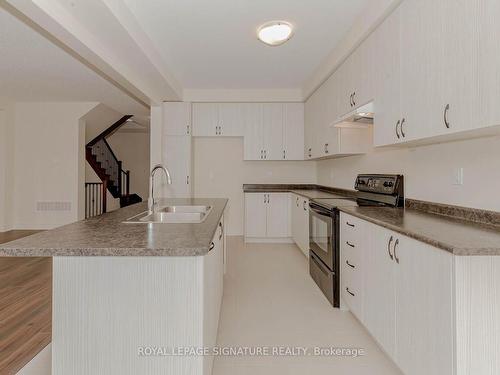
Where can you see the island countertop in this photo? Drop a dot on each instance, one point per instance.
(107, 235)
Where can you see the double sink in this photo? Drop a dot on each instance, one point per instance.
(172, 214)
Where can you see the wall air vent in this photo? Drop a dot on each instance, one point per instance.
(53, 206)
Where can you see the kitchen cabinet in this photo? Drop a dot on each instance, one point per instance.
(407, 295)
(274, 131)
(267, 217)
(379, 293)
(176, 118)
(177, 158)
(300, 222)
(213, 289)
(387, 116)
(353, 245)
(218, 119)
(293, 131)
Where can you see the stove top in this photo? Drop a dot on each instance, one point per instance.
(372, 191)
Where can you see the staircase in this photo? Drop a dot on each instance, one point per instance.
(110, 170)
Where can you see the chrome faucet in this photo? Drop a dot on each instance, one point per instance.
(157, 167)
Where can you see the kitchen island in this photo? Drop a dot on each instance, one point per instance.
(122, 290)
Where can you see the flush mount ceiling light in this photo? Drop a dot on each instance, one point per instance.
(275, 33)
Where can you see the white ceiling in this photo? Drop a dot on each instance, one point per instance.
(32, 68)
(213, 44)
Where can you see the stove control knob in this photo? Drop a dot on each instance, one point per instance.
(388, 184)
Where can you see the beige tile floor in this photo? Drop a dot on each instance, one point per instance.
(270, 300)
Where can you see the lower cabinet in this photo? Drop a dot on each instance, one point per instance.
(213, 285)
(267, 217)
(406, 290)
(300, 222)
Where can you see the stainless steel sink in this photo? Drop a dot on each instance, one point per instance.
(172, 214)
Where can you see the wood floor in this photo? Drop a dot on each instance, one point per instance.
(25, 307)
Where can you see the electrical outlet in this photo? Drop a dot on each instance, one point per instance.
(458, 176)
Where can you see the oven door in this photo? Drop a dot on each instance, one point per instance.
(321, 234)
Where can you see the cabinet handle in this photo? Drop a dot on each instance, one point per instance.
(397, 130)
(220, 129)
(349, 244)
(326, 148)
(262, 154)
(310, 152)
(216, 130)
(221, 231)
(401, 127)
(265, 154)
(446, 109)
(349, 264)
(187, 180)
(349, 224)
(187, 129)
(389, 247)
(304, 205)
(212, 245)
(395, 246)
(297, 201)
(350, 100)
(353, 101)
(284, 154)
(348, 291)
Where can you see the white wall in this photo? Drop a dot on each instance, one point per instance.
(429, 171)
(48, 162)
(133, 150)
(5, 175)
(219, 171)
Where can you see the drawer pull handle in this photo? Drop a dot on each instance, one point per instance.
(446, 109)
(349, 264)
(212, 245)
(349, 244)
(395, 246)
(389, 247)
(348, 291)
(349, 224)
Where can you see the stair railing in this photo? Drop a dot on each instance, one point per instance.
(95, 198)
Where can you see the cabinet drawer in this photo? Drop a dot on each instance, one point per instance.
(351, 252)
(352, 290)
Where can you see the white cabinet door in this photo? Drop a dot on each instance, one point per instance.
(296, 218)
(486, 92)
(213, 288)
(310, 115)
(304, 226)
(278, 217)
(256, 215)
(387, 81)
(205, 119)
(253, 140)
(177, 158)
(231, 119)
(379, 291)
(176, 118)
(293, 131)
(272, 125)
(424, 308)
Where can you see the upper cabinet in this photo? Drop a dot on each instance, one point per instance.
(274, 131)
(176, 118)
(218, 119)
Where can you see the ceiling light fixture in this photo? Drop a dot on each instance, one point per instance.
(275, 33)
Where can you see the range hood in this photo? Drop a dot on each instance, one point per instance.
(361, 115)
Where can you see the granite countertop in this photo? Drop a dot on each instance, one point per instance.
(457, 236)
(107, 235)
(304, 190)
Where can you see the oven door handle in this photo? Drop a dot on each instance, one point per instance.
(318, 210)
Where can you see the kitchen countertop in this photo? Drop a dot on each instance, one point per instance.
(457, 236)
(306, 191)
(107, 235)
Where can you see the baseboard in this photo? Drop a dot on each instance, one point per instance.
(268, 240)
